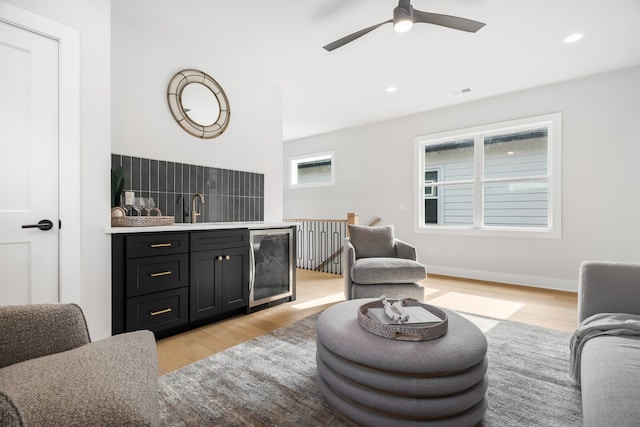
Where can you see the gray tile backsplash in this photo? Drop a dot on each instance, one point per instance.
(230, 196)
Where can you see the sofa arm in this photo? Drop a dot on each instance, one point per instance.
(36, 330)
(405, 250)
(608, 287)
(111, 382)
(348, 259)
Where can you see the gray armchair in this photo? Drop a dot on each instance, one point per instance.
(52, 374)
(375, 263)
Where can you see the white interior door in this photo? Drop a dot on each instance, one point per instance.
(28, 166)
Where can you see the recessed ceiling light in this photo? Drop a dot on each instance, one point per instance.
(573, 38)
(391, 89)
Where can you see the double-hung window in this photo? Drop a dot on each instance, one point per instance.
(501, 179)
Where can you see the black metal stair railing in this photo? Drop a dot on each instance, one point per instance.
(319, 244)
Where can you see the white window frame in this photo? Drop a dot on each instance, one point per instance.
(552, 121)
(296, 160)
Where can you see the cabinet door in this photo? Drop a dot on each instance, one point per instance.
(235, 278)
(204, 291)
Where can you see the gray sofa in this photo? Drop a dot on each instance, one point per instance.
(606, 346)
(52, 375)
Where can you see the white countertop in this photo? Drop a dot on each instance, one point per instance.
(199, 226)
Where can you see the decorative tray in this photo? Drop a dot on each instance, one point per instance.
(142, 221)
(404, 331)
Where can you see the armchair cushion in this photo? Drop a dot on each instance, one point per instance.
(372, 241)
(367, 271)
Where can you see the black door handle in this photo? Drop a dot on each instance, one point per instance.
(43, 225)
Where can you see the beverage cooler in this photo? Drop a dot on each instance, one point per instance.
(271, 267)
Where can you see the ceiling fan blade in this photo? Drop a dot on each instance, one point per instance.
(448, 21)
(351, 37)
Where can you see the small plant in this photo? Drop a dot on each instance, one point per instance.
(117, 186)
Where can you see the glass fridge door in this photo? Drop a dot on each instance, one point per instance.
(272, 265)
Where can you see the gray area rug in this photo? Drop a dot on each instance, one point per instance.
(270, 381)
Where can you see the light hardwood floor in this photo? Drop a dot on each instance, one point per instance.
(317, 291)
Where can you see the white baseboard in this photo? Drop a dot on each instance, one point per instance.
(513, 279)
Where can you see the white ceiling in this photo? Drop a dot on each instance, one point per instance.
(280, 42)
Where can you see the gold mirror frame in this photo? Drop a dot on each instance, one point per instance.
(174, 96)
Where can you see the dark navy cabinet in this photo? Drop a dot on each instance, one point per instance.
(219, 272)
(169, 282)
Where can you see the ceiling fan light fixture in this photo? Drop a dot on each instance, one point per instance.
(402, 26)
(403, 18)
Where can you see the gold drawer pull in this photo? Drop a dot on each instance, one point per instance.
(160, 245)
(161, 273)
(155, 313)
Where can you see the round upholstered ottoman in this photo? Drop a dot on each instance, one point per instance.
(375, 381)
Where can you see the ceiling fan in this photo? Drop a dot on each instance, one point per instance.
(404, 16)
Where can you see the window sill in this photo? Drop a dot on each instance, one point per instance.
(491, 232)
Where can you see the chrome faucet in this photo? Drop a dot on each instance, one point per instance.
(194, 213)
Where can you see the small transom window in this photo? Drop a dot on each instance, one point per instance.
(312, 170)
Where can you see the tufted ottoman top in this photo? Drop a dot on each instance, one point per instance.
(463, 346)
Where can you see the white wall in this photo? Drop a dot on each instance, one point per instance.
(125, 68)
(600, 198)
(92, 20)
(145, 57)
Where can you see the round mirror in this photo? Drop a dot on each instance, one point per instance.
(198, 103)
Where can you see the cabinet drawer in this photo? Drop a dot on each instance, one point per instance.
(159, 311)
(158, 273)
(148, 244)
(221, 239)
